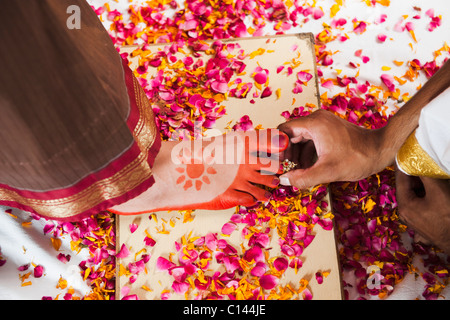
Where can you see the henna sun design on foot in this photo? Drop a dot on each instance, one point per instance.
(195, 170)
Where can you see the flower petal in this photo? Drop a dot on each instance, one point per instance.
(268, 281)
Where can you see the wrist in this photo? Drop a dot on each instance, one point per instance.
(385, 146)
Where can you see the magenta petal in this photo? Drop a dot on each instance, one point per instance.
(262, 239)
(211, 241)
(388, 80)
(266, 92)
(178, 273)
(189, 25)
(307, 295)
(261, 77)
(308, 240)
(228, 228)
(219, 86)
(236, 218)
(327, 60)
(180, 287)
(319, 277)
(48, 227)
(163, 264)
(254, 254)
(136, 267)
(409, 26)
(317, 13)
(133, 227)
(167, 96)
(23, 267)
(268, 281)
(68, 227)
(38, 271)
(63, 258)
(371, 225)
(304, 76)
(381, 37)
(124, 252)
(281, 263)
(259, 269)
(149, 242)
(231, 263)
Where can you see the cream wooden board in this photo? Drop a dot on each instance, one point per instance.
(320, 255)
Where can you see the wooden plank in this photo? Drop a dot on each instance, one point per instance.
(320, 255)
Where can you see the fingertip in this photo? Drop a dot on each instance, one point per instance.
(280, 141)
(285, 181)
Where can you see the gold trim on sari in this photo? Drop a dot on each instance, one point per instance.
(414, 160)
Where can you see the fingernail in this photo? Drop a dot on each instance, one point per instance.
(268, 195)
(280, 140)
(284, 181)
(275, 181)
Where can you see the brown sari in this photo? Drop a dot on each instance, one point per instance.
(77, 132)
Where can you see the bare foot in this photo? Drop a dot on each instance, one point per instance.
(217, 173)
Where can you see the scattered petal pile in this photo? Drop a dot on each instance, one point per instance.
(249, 271)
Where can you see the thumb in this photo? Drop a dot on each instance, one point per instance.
(306, 178)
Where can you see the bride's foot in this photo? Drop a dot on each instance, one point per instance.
(216, 173)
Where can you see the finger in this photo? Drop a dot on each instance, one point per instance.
(435, 186)
(408, 187)
(267, 142)
(290, 151)
(296, 129)
(270, 181)
(306, 154)
(306, 178)
(241, 198)
(257, 192)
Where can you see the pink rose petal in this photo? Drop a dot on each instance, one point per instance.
(163, 264)
(124, 252)
(306, 294)
(388, 80)
(317, 13)
(180, 287)
(360, 28)
(149, 242)
(38, 271)
(304, 76)
(63, 258)
(409, 26)
(254, 254)
(219, 86)
(259, 269)
(228, 228)
(261, 77)
(133, 227)
(319, 277)
(166, 96)
(280, 263)
(267, 92)
(268, 281)
(381, 37)
(23, 267)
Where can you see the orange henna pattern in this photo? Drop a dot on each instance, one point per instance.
(195, 173)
